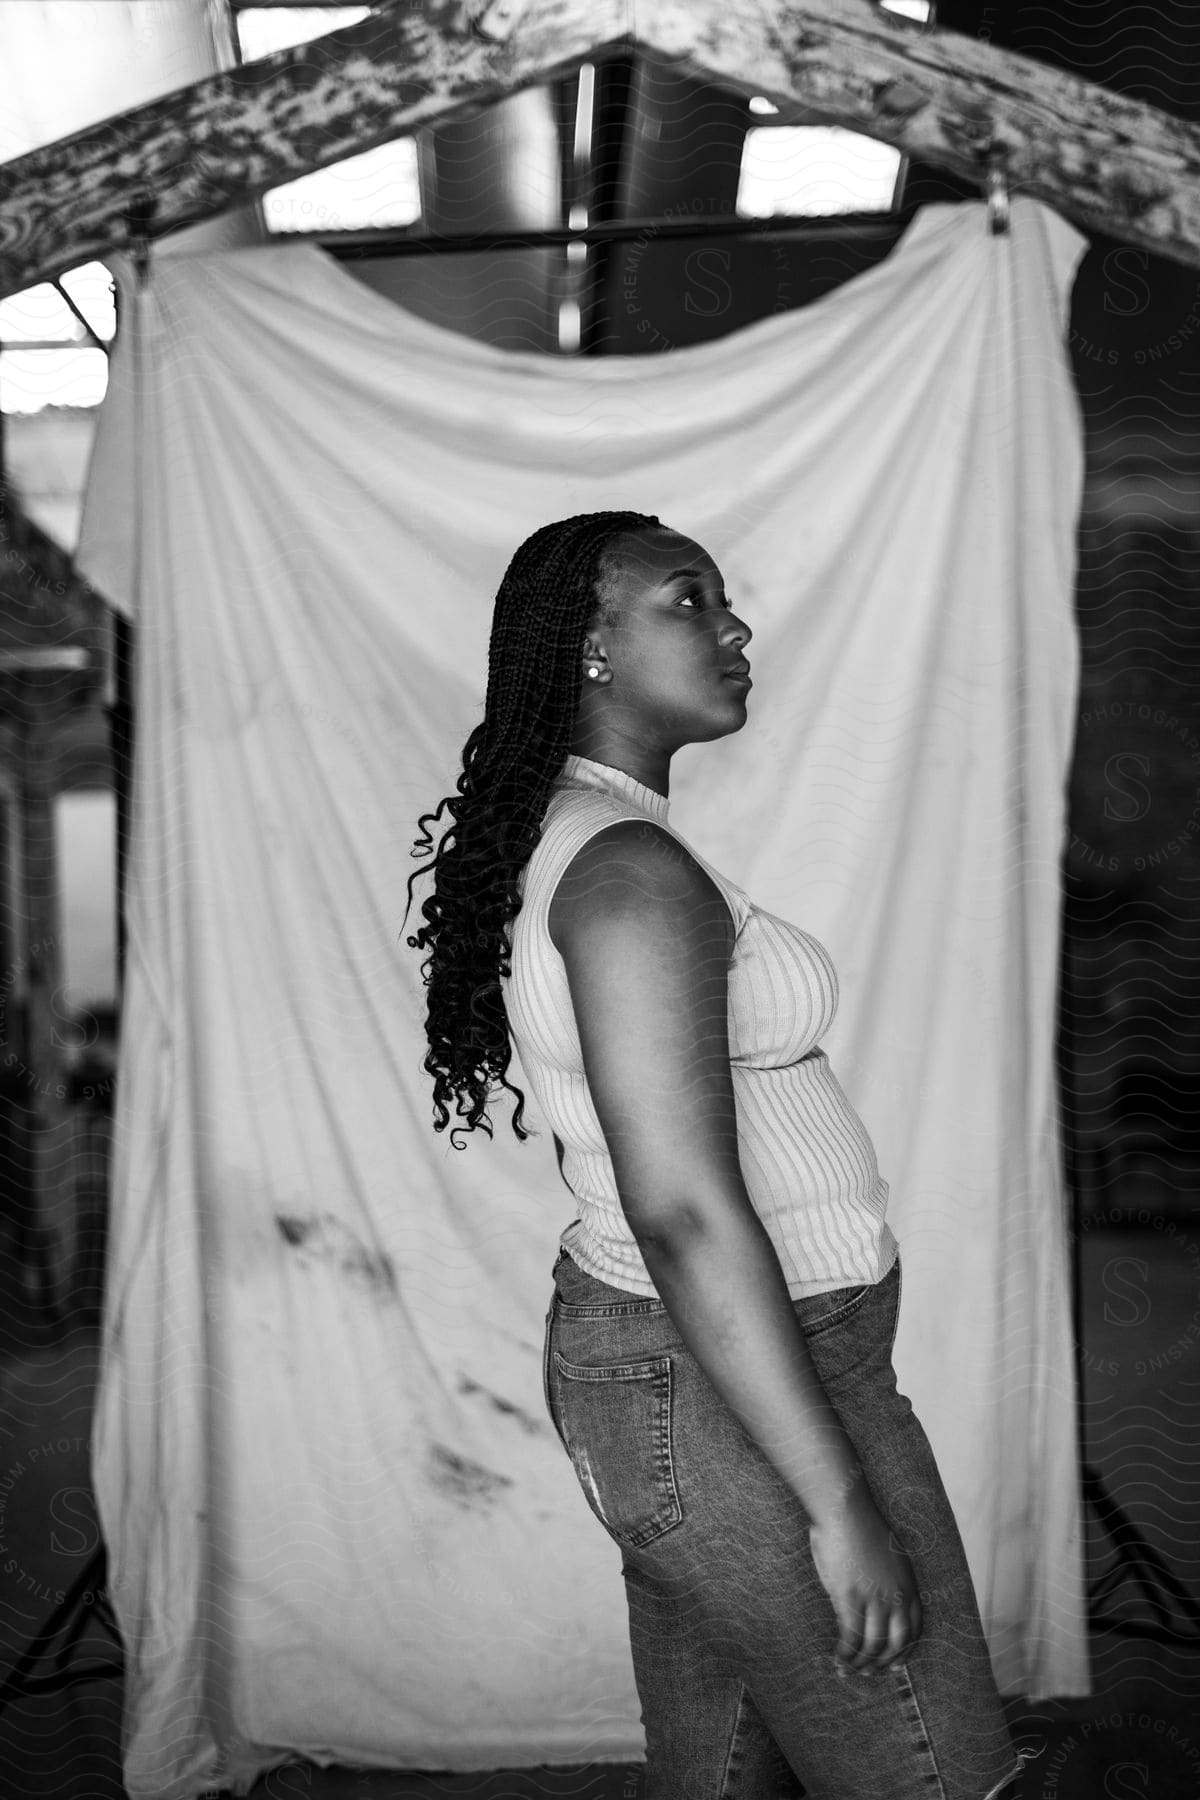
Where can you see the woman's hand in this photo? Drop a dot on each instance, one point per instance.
(870, 1581)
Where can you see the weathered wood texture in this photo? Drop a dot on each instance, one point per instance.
(223, 141)
(1107, 162)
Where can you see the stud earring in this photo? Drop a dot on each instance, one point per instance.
(593, 672)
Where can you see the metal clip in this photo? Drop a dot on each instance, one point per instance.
(138, 216)
(997, 192)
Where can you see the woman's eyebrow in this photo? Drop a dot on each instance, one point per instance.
(692, 574)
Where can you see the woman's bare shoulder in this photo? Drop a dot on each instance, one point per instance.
(629, 866)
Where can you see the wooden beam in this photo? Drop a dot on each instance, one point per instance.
(223, 141)
(1110, 163)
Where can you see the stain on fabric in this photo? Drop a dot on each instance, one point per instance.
(462, 1480)
(508, 1407)
(328, 1237)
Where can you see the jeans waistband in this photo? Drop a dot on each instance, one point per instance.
(582, 1295)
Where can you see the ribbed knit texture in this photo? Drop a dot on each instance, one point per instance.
(808, 1163)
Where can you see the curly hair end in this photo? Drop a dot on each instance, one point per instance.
(554, 590)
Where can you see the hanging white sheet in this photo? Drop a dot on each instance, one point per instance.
(338, 1521)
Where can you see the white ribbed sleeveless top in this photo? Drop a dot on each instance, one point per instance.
(807, 1161)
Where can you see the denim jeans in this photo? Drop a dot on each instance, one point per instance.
(732, 1634)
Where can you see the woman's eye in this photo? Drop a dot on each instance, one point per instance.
(698, 594)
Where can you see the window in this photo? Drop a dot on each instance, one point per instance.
(48, 355)
(85, 824)
(819, 169)
(376, 189)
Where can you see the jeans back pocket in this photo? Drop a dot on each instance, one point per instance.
(822, 1312)
(615, 1421)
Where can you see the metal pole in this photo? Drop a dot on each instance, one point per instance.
(353, 246)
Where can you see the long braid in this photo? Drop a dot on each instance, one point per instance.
(549, 597)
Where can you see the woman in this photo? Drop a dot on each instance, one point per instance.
(717, 1358)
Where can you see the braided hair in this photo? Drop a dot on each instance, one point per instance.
(554, 590)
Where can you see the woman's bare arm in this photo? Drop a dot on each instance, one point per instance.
(646, 938)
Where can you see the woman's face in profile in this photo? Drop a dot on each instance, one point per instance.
(668, 657)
